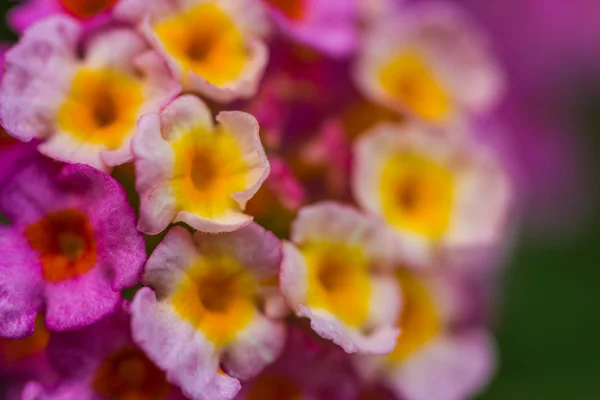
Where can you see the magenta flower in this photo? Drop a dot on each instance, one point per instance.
(308, 369)
(84, 109)
(71, 249)
(330, 26)
(101, 361)
(207, 307)
(25, 359)
(93, 12)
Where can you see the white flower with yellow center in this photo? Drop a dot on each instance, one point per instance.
(189, 170)
(83, 108)
(437, 343)
(430, 61)
(336, 274)
(213, 47)
(202, 317)
(435, 188)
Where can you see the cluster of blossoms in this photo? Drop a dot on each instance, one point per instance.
(152, 248)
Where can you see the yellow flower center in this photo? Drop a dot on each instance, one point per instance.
(417, 194)
(101, 108)
(419, 321)
(338, 280)
(205, 40)
(271, 387)
(407, 79)
(217, 296)
(209, 168)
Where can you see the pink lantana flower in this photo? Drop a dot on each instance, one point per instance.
(437, 344)
(431, 61)
(84, 109)
(308, 368)
(206, 307)
(189, 170)
(335, 274)
(71, 248)
(438, 190)
(93, 12)
(213, 47)
(101, 361)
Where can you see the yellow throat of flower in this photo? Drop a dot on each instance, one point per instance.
(209, 168)
(417, 194)
(409, 81)
(419, 320)
(218, 297)
(338, 280)
(101, 108)
(205, 40)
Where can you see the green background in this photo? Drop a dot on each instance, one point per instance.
(548, 326)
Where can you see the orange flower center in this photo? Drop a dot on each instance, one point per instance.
(129, 375)
(293, 9)
(86, 9)
(12, 351)
(65, 242)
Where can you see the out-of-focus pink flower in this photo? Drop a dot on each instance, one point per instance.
(277, 201)
(25, 359)
(192, 171)
(329, 26)
(438, 189)
(207, 307)
(326, 159)
(83, 109)
(307, 369)
(71, 249)
(101, 361)
(435, 345)
(373, 11)
(213, 47)
(284, 186)
(548, 64)
(301, 88)
(431, 61)
(28, 12)
(334, 274)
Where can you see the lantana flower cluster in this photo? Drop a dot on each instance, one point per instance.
(248, 199)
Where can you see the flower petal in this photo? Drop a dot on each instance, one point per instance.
(244, 127)
(20, 287)
(180, 350)
(38, 72)
(380, 341)
(255, 347)
(81, 301)
(230, 222)
(252, 246)
(174, 254)
(460, 365)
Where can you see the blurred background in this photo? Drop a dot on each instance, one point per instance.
(548, 323)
